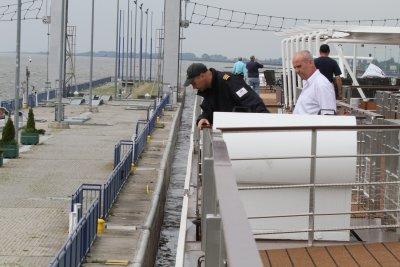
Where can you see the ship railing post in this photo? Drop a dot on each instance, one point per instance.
(208, 197)
(214, 240)
(311, 218)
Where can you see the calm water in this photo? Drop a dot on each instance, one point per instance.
(103, 67)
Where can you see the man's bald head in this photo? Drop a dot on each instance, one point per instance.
(303, 64)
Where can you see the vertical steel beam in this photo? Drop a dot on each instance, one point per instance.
(17, 70)
(116, 54)
(311, 207)
(172, 16)
(141, 43)
(128, 13)
(61, 67)
(134, 44)
(91, 59)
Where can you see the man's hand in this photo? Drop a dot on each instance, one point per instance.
(202, 123)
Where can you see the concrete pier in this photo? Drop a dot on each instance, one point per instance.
(35, 189)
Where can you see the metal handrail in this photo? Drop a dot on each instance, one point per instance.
(227, 229)
(79, 242)
(310, 128)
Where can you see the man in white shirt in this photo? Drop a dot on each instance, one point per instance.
(318, 94)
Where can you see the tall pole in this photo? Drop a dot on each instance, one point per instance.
(116, 53)
(130, 58)
(17, 71)
(62, 61)
(145, 46)
(123, 47)
(141, 43)
(134, 44)
(91, 60)
(119, 43)
(127, 41)
(151, 44)
(48, 47)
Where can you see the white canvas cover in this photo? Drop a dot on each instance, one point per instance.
(373, 71)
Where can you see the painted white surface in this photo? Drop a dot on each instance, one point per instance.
(292, 171)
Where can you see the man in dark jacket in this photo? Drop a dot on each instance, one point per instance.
(253, 75)
(221, 91)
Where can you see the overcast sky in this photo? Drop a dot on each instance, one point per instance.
(201, 39)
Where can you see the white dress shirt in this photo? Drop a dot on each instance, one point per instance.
(317, 95)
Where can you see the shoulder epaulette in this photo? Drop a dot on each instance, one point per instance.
(226, 77)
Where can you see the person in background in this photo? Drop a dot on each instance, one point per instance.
(221, 91)
(330, 69)
(318, 94)
(253, 75)
(239, 68)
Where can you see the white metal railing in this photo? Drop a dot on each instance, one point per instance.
(374, 194)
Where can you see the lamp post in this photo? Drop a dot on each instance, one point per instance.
(134, 44)
(151, 44)
(127, 43)
(91, 60)
(116, 53)
(145, 45)
(17, 73)
(141, 43)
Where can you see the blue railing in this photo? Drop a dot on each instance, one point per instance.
(79, 242)
(42, 96)
(102, 197)
(85, 195)
(120, 149)
(115, 182)
(141, 138)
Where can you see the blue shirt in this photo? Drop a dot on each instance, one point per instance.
(239, 68)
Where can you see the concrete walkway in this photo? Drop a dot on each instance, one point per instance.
(35, 189)
(119, 243)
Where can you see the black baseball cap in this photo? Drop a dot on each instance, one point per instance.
(194, 70)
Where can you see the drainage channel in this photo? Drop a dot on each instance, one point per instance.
(173, 205)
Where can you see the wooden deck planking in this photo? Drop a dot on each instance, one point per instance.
(264, 258)
(370, 255)
(299, 257)
(394, 248)
(382, 255)
(362, 256)
(321, 256)
(279, 257)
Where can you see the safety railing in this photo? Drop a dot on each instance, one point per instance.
(35, 98)
(141, 137)
(121, 149)
(226, 236)
(116, 180)
(85, 195)
(374, 202)
(96, 200)
(79, 242)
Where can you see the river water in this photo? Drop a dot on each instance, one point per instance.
(173, 206)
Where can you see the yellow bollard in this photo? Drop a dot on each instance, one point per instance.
(148, 138)
(100, 226)
(133, 168)
(158, 119)
(147, 189)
